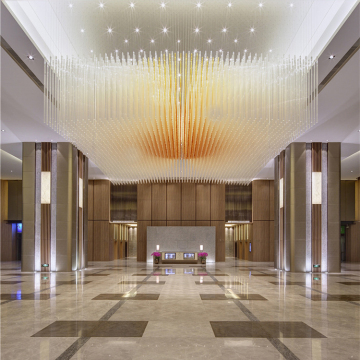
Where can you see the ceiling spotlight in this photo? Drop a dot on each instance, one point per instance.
(30, 57)
(352, 171)
(137, 30)
(152, 41)
(195, 50)
(82, 30)
(126, 41)
(245, 50)
(197, 30)
(70, 5)
(261, 5)
(164, 30)
(224, 30)
(2, 130)
(141, 50)
(179, 74)
(198, 5)
(270, 50)
(331, 57)
(109, 30)
(291, 5)
(91, 51)
(235, 41)
(132, 5)
(209, 41)
(116, 51)
(178, 41)
(101, 5)
(220, 50)
(252, 30)
(229, 4)
(162, 5)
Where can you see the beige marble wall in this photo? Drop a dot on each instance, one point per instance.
(229, 242)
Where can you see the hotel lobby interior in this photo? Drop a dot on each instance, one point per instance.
(180, 179)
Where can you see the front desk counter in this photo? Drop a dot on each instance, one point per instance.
(172, 257)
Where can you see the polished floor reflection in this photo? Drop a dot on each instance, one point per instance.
(129, 310)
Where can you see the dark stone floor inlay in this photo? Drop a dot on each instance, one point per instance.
(229, 296)
(118, 297)
(218, 282)
(349, 283)
(96, 274)
(10, 282)
(300, 283)
(93, 329)
(264, 275)
(328, 297)
(72, 282)
(264, 329)
(18, 274)
(19, 296)
(135, 282)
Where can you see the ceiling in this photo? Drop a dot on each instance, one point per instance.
(22, 101)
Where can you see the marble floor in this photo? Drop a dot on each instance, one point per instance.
(129, 310)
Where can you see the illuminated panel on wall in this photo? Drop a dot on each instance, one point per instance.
(281, 193)
(80, 192)
(45, 187)
(316, 188)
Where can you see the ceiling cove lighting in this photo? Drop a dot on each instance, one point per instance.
(181, 128)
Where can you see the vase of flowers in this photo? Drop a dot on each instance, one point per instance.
(156, 256)
(202, 257)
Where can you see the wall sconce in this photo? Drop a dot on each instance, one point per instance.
(281, 193)
(316, 188)
(201, 247)
(157, 247)
(45, 187)
(80, 193)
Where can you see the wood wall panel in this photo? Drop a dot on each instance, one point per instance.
(271, 233)
(347, 197)
(217, 207)
(158, 201)
(158, 223)
(173, 223)
(353, 243)
(91, 200)
(188, 223)
(203, 223)
(261, 200)
(188, 201)
(271, 200)
(220, 240)
(90, 240)
(261, 241)
(141, 239)
(173, 201)
(102, 200)
(102, 248)
(144, 202)
(202, 202)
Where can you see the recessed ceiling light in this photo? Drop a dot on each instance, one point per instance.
(195, 50)
(70, 5)
(198, 5)
(164, 30)
(116, 51)
(252, 29)
(245, 50)
(178, 41)
(331, 57)
(224, 30)
(132, 5)
(162, 5)
(109, 30)
(166, 50)
(30, 57)
(229, 4)
(126, 41)
(91, 51)
(291, 5)
(152, 41)
(2, 130)
(101, 5)
(137, 30)
(82, 30)
(209, 41)
(179, 74)
(220, 50)
(352, 171)
(141, 50)
(270, 50)
(235, 41)
(261, 5)
(197, 30)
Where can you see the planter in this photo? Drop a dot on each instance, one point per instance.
(156, 261)
(203, 261)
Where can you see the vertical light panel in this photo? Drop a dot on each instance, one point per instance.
(308, 207)
(81, 193)
(316, 193)
(53, 205)
(45, 187)
(281, 193)
(37, 207)
(324, 207)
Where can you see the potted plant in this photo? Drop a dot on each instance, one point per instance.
(156, 256)
(202, 257)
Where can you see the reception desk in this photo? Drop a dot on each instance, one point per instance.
(175, 257)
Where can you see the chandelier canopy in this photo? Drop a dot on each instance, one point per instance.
(181, 116)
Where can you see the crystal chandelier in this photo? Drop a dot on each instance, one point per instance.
(181, 116)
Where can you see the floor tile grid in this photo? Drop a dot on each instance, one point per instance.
(281, 347)
(72, 350)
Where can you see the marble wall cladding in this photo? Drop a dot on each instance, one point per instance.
(53, 205)
(181, 238)
(229, 242)
(132, 242)
(276, 212)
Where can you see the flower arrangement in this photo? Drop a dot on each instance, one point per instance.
(156, 255)
(203, 255)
